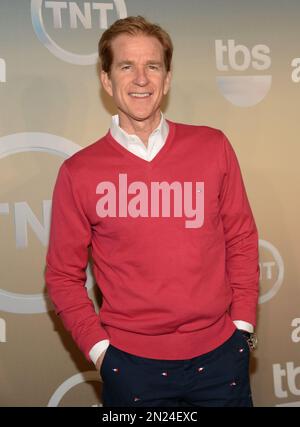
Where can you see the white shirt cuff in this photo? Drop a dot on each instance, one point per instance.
(241, 324)
(98, 349)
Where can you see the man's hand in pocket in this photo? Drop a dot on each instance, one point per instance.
(99, 362)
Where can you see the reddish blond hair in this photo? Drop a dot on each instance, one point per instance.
(133, 25)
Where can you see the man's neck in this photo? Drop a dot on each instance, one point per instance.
(140, 128)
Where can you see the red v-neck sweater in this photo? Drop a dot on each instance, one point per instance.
(171, 285)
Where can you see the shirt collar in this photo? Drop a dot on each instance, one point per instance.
(159, 134)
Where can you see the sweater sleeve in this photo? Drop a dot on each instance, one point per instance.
(66, 262)
(241, 239)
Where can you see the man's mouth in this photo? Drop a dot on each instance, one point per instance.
(140, 95)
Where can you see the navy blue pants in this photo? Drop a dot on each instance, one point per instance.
(218, 378)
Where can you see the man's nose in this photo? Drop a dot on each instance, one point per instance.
(141, 77)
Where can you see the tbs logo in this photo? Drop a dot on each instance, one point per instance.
(248, 89)
(51, 17)
(285, 380)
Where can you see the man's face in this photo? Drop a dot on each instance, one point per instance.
(138, 79)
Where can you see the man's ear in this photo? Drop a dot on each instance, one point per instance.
(106, 82)
(167, 82)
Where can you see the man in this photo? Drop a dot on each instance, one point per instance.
(174, 243)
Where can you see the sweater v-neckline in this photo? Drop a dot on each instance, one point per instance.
(162, 152)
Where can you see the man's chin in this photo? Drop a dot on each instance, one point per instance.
(139, 117)
(142, 117)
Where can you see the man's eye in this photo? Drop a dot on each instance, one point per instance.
(153, 67)
(125, 67)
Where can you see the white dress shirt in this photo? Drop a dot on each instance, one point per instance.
(136, 146)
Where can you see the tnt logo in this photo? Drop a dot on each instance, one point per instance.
(47, 16)
(25, 216)
(77, 14)
(2, 71)
(296, 72)
(271, 271)
(243, 90)
(64, 394)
